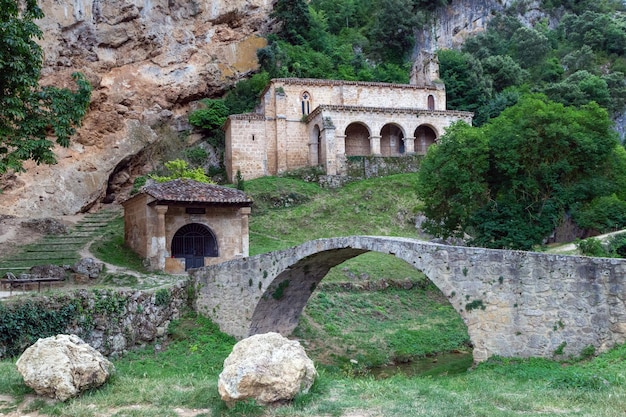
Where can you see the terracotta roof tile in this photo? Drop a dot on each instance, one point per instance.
(186, 190)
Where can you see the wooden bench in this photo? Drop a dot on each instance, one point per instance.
(12, 283)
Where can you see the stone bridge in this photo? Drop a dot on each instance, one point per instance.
(514, 303)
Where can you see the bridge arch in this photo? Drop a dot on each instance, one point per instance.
(514, 303)
(283, 301)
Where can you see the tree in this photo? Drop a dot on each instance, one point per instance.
(467, 87)
(393, 28)
(293, 19)
(31, 117)
(179, 169)
(544, 160)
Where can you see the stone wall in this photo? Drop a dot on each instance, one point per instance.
(362, 167)
(514, 303)
(116, 320)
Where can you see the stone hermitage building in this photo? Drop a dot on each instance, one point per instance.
(183, 224)
(309, 122)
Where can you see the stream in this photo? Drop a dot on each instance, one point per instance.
(442, 364)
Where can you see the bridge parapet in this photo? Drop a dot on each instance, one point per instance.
(514, 303)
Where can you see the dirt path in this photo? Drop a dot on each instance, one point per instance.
(571, 247)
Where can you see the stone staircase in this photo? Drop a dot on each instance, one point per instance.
(60, 249)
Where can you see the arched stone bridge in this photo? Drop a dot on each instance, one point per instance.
(514, 303)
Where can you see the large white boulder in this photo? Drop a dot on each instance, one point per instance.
(63, 366)
(267, 368)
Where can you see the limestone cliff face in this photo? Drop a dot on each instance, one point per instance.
(453, 24)
(147, 60)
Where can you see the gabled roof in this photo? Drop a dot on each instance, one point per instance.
(191, 191)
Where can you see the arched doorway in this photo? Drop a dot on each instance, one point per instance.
(424, 137)
(391, 141)
(357, 140)
(194, 242)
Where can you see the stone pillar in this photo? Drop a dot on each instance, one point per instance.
(329, 152)
(375, 145)
(244, 212)
(409, 146)
(340, 145)
(161, 250)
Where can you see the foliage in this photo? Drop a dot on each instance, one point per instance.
(392, 33)
(180, 169)
(293, 19)
(31, 115)
(509, 183)
(602, 214)
(467, 87)
(211, 116)
(24, 323)
(580, 60)
(244, 96)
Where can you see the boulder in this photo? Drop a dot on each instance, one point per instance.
(267, 368)
(63, 366)
(47, 271)
(87, 268)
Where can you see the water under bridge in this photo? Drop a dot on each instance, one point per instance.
(514, 303)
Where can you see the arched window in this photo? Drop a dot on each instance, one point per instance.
(431, 102)
(306, 103)
(194, 242)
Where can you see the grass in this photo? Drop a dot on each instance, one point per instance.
(339, 324)
(379, 206)
(110, 247)
(183, 375)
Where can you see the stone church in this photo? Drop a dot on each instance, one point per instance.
(310, 122)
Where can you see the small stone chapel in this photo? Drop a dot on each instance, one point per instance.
(183, 224)
(321, 123)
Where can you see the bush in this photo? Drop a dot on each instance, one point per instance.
(591, 247)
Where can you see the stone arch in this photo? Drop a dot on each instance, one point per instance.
(315, 147)
(357, 139)
(392, 140)
(194, 242)
(425, 135)
(306, 102)
(283, 301)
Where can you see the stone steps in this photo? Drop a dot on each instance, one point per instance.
(60, 249)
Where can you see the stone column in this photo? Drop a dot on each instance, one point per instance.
(409, 146)
(329, 151)
(340, 145)
(161, 251)
(244, 212)
(375, 145)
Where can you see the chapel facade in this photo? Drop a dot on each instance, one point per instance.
(310, 122)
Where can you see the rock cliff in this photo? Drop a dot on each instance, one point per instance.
(148, 62)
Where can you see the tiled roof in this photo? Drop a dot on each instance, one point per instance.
(186, 190)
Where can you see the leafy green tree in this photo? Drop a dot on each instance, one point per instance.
(294, 20)
(180, 169)
(529, 46)
(245, 96)
(392, 33)
(544, 160)
(467, 87)
(32, 117)
(453, 180)
(211, 116)
(504, 71)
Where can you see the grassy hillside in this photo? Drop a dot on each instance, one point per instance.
(288, 212)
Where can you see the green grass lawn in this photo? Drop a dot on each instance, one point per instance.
(345, 331)
(183, 377)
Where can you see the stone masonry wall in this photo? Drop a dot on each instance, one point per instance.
(515, 304)
(114, 321)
